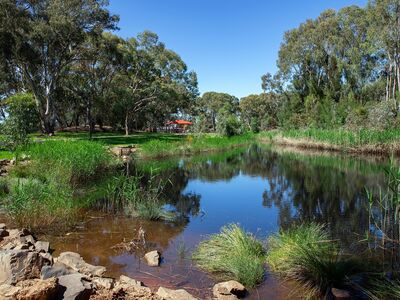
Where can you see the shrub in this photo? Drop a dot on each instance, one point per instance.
(232, 254)
(22, 119)
(306, 256)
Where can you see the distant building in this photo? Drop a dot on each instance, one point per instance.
(177, 125)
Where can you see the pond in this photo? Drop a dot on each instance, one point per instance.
(260, 187)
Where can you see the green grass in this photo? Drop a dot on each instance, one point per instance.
(306, 256)
(193, 144)
(232, 254)
(6, 155)
(384, 289)
(367, 140)
(70, 161)
(35, 204)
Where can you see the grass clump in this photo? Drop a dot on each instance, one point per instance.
(384, 289)
(232, 254)
(306, 256)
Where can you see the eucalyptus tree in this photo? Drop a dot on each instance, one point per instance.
(90, 79)
(154, 82)
(211, 103)
(44, 38)
(385, 32)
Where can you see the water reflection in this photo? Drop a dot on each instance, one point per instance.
(261, 188)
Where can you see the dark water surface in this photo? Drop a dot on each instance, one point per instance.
(261, 188)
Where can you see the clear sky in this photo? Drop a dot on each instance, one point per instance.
(229, 43)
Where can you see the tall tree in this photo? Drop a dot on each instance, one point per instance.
(45, 38)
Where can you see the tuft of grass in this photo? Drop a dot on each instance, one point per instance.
(384, 289)
(306, 256)
(232, 254)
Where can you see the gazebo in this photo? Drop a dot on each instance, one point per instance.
(178, 125)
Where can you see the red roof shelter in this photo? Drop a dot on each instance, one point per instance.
(178, 125)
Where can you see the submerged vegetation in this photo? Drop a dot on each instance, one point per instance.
(232, 254)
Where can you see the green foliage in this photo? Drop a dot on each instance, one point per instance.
(384, 289)
(22, 119)
(232, 254)
(69, 161)
(228, 124)
(35, 204)
(126, 194)
(306, 256)
(193, 144)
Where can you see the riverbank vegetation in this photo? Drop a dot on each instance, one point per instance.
(306, 256)
(367, 141)
(232, 254)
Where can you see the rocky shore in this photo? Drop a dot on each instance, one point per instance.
(29, 271)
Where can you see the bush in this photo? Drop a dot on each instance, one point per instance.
(306, 256)
(232, 254)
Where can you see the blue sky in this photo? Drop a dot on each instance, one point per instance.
(229, 43)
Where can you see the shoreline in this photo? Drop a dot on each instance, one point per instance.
(382, 150)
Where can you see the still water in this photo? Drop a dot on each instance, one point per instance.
(261, 188)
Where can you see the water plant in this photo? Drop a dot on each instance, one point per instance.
(306, 256)
(232, 254)
(35, 204)
(69, 161)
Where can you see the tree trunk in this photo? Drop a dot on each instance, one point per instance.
(127, 124)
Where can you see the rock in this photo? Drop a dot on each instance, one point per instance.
(18, 265)
(37, 289)
(340, 294)
(167, 294)
(24, 246)
(56, 270)
(127, 280)
(47, 257)
(74, 286)
(127, 285)
(42, 246)
(153, 258)
(229, 290)
(3, 233)
(28, 239)
(76, 263)
(105, 283)
(8, 292)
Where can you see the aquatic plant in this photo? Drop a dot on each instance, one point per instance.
(35, 204)
(306, 256)
(232, 254)
(69, 161)
(383, 289)
(384, 216)
(127, 194)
